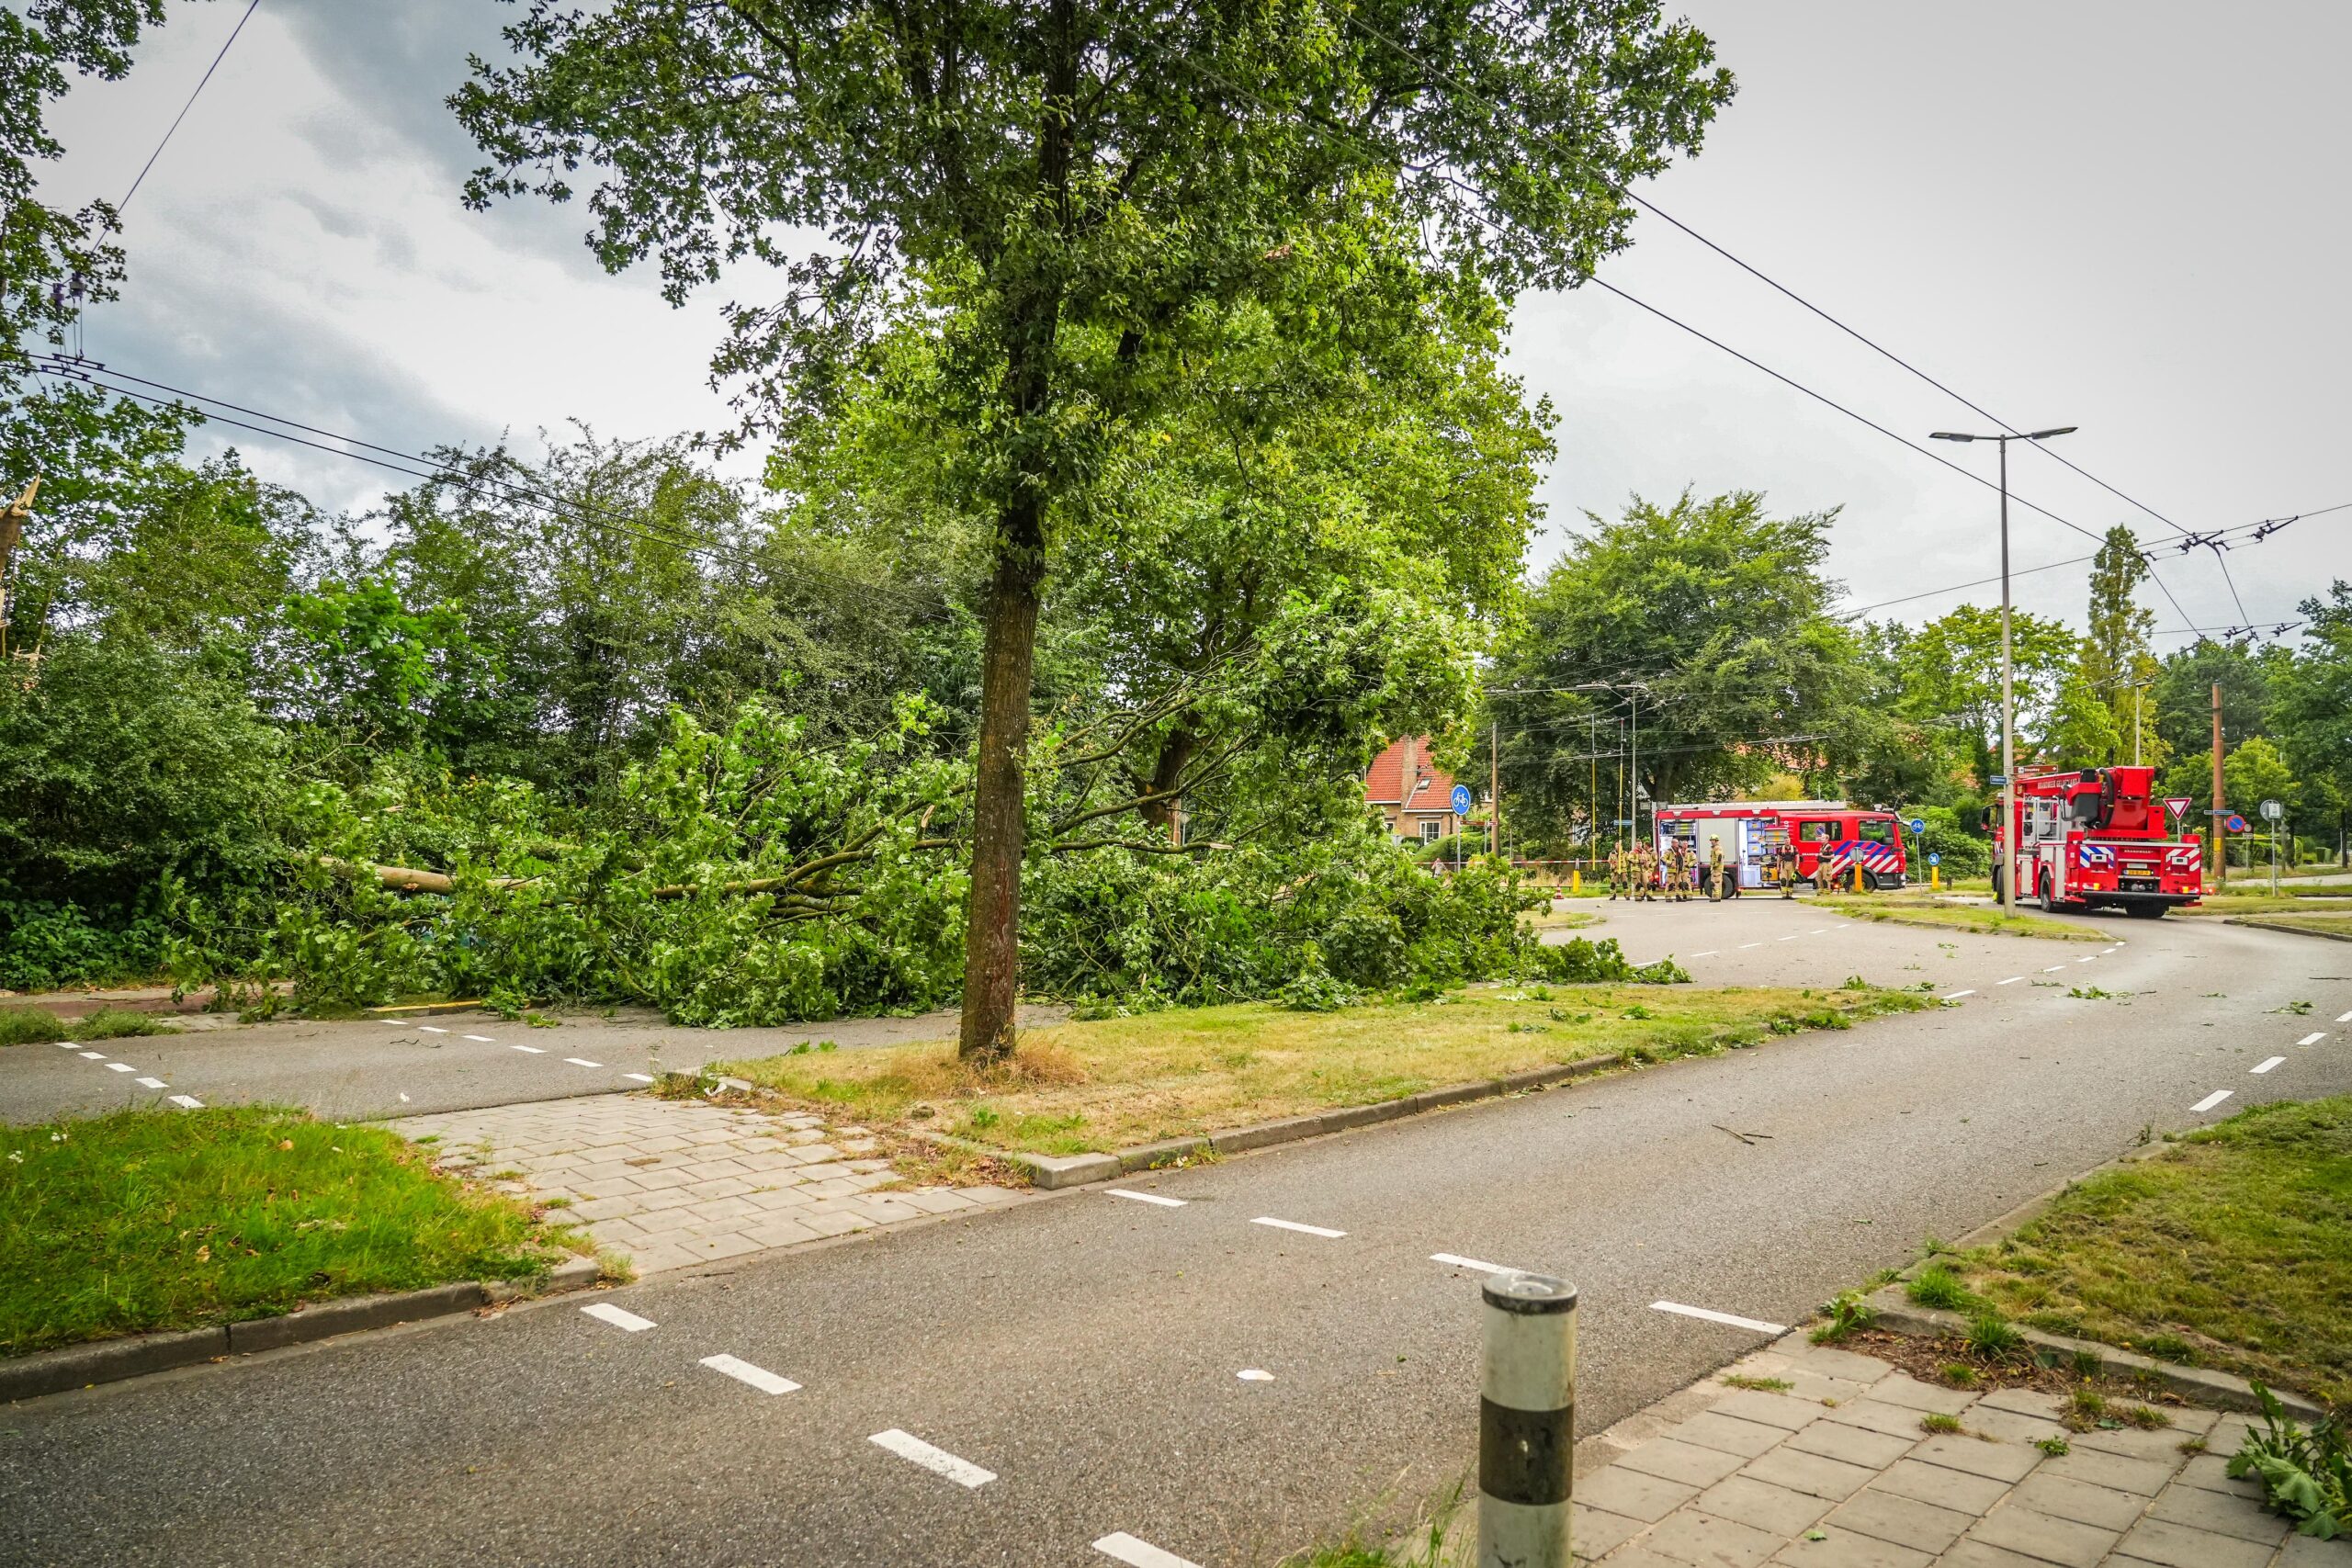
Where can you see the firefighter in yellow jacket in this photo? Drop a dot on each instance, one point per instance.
(1617, 872)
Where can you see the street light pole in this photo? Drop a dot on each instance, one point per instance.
(2009, 698)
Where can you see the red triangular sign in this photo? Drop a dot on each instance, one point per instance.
(2178, 805)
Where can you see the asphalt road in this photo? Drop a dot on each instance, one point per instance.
(1085, 1349)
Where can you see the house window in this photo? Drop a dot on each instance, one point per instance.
(1429, 831)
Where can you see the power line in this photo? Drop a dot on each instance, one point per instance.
(166, 142)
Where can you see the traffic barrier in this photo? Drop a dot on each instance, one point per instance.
(1527, 1422)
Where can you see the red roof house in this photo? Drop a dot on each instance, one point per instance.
(1414, 794)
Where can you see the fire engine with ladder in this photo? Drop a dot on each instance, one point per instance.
(2097, 838)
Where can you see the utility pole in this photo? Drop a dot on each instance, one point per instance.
(12, 529)
(1633, 799)
(1495, 784)
(2221, 833)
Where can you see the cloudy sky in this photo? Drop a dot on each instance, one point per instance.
(2108, 215)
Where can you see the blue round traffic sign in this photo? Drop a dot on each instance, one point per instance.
(1462, 800)
(1918, 823)
(1935, 859)
(2236, 823)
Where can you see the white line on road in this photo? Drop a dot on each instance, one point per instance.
(69, 1044)
(1709, 954)
(482, 1039)
(1744, 945)
(2086, 960)
(1760, 1327)
(2053, 969)
(1254, 1374)
(962, 1472)
(120, 1067)
(187, 1102)
(1792, 936)
(153, 1083)
(2011, 980)
(583, 1062)
(1295, 1225)
(1453, 1261)
(743, 1372)
(94, 1056)
(430, 1030)
(2267, 1065)
(2313, 1037)
(605, 1312)
(1145, 1197)
(533, 1049)
(1120, 1547)
(2213, 1099)
(1817, 931)
(1955, 996)
(640, 1077)
(2343, 1018)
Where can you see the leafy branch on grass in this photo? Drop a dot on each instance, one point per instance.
(2305, 1475)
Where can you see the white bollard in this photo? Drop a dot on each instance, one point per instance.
(1527, 1422)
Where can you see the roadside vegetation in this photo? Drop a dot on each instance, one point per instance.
(1112, 1083)
(2232, 1249)
(1898, 909)
(160, 1219)
(38, 1026)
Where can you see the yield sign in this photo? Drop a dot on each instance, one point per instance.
(2178, 805)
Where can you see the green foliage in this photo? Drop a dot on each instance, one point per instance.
(2305, 1475)
(1938, 1286)
(1846, 1311)
(1991, 1337)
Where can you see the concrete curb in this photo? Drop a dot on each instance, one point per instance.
(424, 1009)
(2256, 922)
(1054, 1172)
(111, 1360)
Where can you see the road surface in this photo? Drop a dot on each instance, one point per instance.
(1084, 1352)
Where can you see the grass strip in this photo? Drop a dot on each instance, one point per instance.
(1112, 1083)
(38, 1026)
(2233, 1249)
(151, 1220)
(1895, 909)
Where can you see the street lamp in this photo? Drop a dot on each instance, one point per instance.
(2009, 702)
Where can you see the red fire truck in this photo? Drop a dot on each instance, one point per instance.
(1832, 838)
(2096, 838)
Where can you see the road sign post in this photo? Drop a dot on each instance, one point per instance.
(2274, 812)
(1527, 1401)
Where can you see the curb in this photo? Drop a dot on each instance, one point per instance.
(2256, 922)
(422, 1010)
(1054, 1172)
(2209, 1388)
(112, 1360)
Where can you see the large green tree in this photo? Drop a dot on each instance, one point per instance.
(1951, 674)
(2116, 665)
(1066, 194)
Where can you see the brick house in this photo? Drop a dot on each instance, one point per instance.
(1413, 794)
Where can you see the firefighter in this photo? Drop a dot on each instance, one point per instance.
(1685, 867)
(1616, 872)
(1644, 872)
(1785, 863)
(1715, 869)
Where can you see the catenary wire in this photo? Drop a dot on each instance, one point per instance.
(174, 126)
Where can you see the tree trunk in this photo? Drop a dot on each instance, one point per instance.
(992, 925)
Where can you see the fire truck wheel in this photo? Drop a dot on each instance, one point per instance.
(2144, 912)
(1869, 882)
(1997, 885)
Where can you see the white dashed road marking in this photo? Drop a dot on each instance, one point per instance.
(2010, 981)
(153, 1083)
(2313, 1037)
(533, 1049)
(1453, 1261)
(1817, 931)
(1709, 954)
(2086, 960)
(2267, 1065)
(187, 1102)
(1295, 1225)
(430, 1030)
(1145, 1197)
(94, 1056)
(1254, 1374)
(1955, 996)
(640, 1077)
(1792, 936)
(2213, 1099)
(120, 1067)
(482, 1039)
(1757, 1324)
(605, 1312)
(1744, 945)
(962, 1472)
(583, 1062)
(1120, 1547)
(743, 1372)
(2343, 1018)
(2053, 969)
(66, 1046)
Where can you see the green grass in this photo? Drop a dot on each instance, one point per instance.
(1937, 1421)
(1112, 1083)
(2233, 1249)
(149, 1219)
(1896, 909)
(1760, 1386)
(37, 1026)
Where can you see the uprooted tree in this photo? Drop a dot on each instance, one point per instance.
(1068, 199)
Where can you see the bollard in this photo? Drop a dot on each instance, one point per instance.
(1527, 1422)
(1857, 876)
(1575, 880)
(1935, 878)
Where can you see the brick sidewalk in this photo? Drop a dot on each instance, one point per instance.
(1839, 1473)
(670, 1182)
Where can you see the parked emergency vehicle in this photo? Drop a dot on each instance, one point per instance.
(1832, 840)
(2098, 837)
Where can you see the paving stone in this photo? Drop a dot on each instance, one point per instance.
(2220, 1513)
(2179, 1546)
(2067, 1542)
(2228, 1434)
(1686, 1463)
(1815, 1389)
(2024, 1401)
(1910, 1393)
(2309, 1551)
(1841, 1551)
(1831, 1363)
(1629, 1492)
(2163, 1445)
(835, 1224)
(1767, 1507)
(1829, 1478)
(604, 1208)
(1768, 1409)
(2012, 1427)
(1905, 1521)
(2144, 1477)
(1595, 1531)
(938, 1199)
(779, 1233)
(1638, 1556)
(661, 1179)
(1711, 1540)
(724, 1208)
(655, 1258)
(1855, 1445)
(1894, 1420)
(1955, 1489)
(2002, 1462)
(1979, 1554)
(772, 1199)
(2212, 1471)
(2084, 1504)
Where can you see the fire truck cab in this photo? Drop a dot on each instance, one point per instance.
(2097, 837)
(1833, 839)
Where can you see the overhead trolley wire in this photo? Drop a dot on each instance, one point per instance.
(174, 126)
